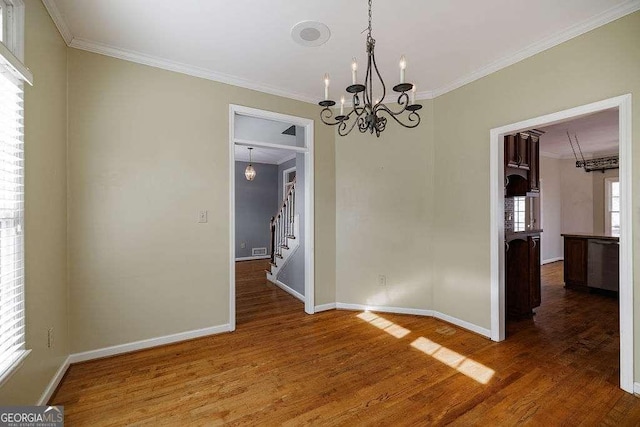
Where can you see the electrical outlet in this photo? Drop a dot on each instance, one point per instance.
(203, 217)
(50, 338)
(382, 280)
(243, 245)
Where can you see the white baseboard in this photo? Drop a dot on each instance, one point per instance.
(252, 258)
(125, 348)
(383, 309)
(53, 384)
(417, 312)
(463, 324)
(550, 260)
(636, 388)
(289, 290)
(148, 343)
(325, 307)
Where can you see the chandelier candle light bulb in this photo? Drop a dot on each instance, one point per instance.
(326, 86)
(342, 105)
(403, 67)
(413, 95)
(354, 71)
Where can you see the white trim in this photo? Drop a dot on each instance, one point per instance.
(636, 388)
(463, 324)
(286, 159)
(384, 309)
(53, 384)
(289, 290)
(249, 143)
(325, 307)
(232, 222)
(284, 180)
(623, 103)
(599, 20)
(178, 67)
(583, 27)
(308, 151)
(58, 20)
(17, 28)
(550, 260)
(148, 343)
(417, 312)
(251, 258)
(122, 349)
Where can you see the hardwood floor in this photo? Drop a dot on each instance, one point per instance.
(348, 368)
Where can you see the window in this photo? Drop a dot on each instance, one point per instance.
(519, 213)
(289, 177)
(612, 206)
(12, 309)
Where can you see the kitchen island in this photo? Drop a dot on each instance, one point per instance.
(591, 261)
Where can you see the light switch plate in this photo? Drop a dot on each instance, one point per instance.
(203, 217)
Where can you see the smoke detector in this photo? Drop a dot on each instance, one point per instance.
(310, 33)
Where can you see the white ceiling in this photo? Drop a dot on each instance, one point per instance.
(447, 43)
(597, 134)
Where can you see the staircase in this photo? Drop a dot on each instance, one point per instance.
(284, 230)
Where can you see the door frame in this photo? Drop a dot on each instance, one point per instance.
(623, 103)
(309, 223)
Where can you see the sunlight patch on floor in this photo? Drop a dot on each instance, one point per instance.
(384, 324)
(462, 364)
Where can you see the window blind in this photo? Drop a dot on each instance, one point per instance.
(12, 307)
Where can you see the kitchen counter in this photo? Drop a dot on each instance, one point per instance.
(591, 236)
(512, 235)
(591, 261)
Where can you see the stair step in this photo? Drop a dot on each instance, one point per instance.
(284, 246)
(291, 237)
(279, 256)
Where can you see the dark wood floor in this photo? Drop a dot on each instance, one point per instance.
(348, 368)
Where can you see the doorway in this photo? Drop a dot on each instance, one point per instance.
(300, 148)
(497, 212)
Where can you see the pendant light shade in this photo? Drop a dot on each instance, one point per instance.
(250, 172)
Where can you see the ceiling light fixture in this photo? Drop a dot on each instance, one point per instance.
(250, 172)
(367, 115)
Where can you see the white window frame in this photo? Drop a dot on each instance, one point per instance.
(13, 26)
(12, 58)
(607, 204)
(285, 183)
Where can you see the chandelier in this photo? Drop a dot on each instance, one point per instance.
(367, 112)
(250, 172)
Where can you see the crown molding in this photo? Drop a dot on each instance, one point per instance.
(58, 20)
(165, 64)
(599, 20)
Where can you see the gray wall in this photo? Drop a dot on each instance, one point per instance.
(256, 203)
(292, 274)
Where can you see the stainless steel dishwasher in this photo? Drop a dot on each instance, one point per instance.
(603, 271)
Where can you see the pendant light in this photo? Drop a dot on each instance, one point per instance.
(250, 172)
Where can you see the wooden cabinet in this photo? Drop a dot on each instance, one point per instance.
(523, 291)
(516, 151)
(535, 291)
(534, 164)
(522, 152)
(575, 262)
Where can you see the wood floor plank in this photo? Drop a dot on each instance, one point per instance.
(283, 367)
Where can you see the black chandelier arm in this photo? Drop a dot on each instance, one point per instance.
(403, 101)
(358, 118)
(384, 88)
(325, 114)
(412, 117)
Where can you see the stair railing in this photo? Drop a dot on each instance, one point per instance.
(281, 225)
